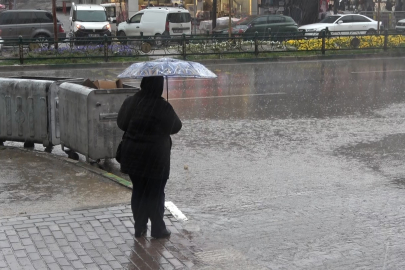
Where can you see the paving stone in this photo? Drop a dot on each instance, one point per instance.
(100, 230)
(34, 256)
(106, 267)
(54, 266)
(77, 264)
(44, 251)
(70, 237)
(53, 247)
(27, 241)
(25, 261)
(86, 259)
(115, 264)
(33, 230)
(58, 235)
(175, 262)
(74, 225)
(13, 239)
(92, 266)
(17, 246)
(99, 260)
(80, 244)
(93, 253)
(71, 256)
(45, 232)
(57, 254)
(92, 235)
(64, 221)
(83, 239)
(59, 214)
(62, 242)
(39, 265)
(95, 223)
(36, 237)
(44, 224)
(40, 244)
(79, 231)
(20, 253)
(62, 261)
(31, 248)
(4, 244)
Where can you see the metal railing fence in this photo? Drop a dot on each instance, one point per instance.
(110, 48)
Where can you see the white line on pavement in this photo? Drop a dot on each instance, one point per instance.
(247, 95)
(175, 211)
(376, 71)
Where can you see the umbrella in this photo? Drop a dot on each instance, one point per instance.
(167, 67)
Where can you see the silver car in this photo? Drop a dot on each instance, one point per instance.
(29, 23)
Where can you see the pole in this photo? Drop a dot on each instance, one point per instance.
(214, 14)
(230, 21)
(195, 15)
(55, 26)
(378, 17)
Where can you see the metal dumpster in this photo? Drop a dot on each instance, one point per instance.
(25, 110)
(88, 119)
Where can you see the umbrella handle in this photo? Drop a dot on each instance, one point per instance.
(167, 89)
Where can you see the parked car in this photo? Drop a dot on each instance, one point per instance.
(264, 25)
(89, 20)
(342, 24)
(400, 27)
(28, 23)
(159, 22)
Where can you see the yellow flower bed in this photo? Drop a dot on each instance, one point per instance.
(345, 42)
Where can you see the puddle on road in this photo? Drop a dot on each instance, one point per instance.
(385, 156)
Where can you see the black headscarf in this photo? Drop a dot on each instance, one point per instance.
(152, 86)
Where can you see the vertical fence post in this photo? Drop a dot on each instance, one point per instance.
(20, 50)
(184, 46)
(323, 40)
(105, 48)
(256, 45)
(385, 40)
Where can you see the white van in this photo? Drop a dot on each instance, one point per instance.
(89, 21)
(158, 22)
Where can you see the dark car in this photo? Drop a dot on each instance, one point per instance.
(264, 25)
(28, 23)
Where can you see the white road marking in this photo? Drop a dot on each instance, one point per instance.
(227, 96)
(377, 71)
(175, 211)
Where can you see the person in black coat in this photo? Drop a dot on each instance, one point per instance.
(148, 121)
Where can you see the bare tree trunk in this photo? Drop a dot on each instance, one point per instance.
(309, 10)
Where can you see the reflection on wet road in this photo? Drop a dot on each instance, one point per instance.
(296, 165)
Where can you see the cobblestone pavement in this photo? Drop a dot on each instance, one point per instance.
(100, 238)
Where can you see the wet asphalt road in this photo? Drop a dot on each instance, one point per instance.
(295, 165)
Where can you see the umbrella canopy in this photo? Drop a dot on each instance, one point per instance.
(167, 67)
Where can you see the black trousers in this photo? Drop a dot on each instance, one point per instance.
(148, 202)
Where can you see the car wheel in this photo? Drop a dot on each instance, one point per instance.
(371, 32)
(122, 38)
(159, 42)
(41, 41)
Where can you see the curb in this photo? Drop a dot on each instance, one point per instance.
(206, 61)
(119, 180)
